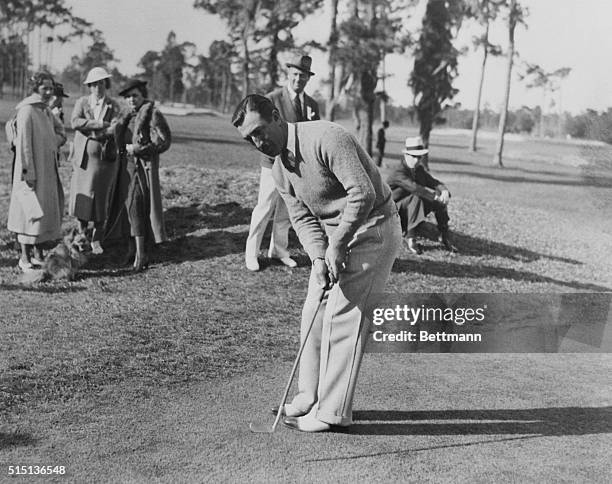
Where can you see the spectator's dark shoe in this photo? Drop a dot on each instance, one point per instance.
(446, 241)
(412, 247)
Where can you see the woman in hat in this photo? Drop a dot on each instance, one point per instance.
(94, 167)
(142, 135)
(37, 197)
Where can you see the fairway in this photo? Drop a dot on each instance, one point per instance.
(153, 377)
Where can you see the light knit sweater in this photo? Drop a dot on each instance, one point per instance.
(330, 185)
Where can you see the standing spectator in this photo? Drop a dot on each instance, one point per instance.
(37, 196)
(94, 156)
(346, 220)
(294, 105)
(142, 135)
(381, 141)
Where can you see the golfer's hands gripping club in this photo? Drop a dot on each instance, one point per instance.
(328, 271)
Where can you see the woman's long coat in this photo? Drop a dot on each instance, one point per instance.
(94, 162)
(37, 147)
(151, 136)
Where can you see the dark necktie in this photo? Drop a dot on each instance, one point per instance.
(299, 116)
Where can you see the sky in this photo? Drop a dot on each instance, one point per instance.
(560, 33)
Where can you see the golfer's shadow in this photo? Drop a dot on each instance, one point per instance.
(554, 421)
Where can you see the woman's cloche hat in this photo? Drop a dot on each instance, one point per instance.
(131, 84)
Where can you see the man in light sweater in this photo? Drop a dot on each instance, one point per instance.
(294, 105)
(346, 220)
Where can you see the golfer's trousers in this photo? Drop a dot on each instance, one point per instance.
(332, 356)
(269, 202)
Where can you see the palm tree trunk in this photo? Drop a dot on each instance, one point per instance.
(330, 105)
(497, 160)
(476, 119)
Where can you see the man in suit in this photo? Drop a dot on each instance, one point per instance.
(344, 216)
(417, 193)
(295, 106)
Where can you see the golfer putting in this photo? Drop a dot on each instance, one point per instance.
(344, 216)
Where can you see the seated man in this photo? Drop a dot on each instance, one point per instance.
(417, 193)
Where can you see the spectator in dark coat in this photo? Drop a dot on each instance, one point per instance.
(381, 140)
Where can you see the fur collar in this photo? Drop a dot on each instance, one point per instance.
(142, 124)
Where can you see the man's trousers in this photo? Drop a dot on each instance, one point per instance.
(413, 210)
(269, 202)
(332, 356)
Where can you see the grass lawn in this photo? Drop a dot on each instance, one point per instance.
(83, 362)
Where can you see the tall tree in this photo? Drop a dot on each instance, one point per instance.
(21, 19)
(273, 35)
(332, 47)
(515, 15)
(374, 28)
(485, 11)
(548, 82)
(98, 54)
(435, 62)
(239, 16)
(221, 78)
(165, 70)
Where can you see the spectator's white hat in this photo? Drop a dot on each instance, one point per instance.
(414, 146)
(96, 74)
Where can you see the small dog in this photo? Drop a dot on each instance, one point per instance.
(63, 261)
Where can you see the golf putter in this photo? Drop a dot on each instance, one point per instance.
(260, 428)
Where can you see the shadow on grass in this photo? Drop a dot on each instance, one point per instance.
(477, 246)
(432, 161)
(187, 138)
(217, 243)
(584, 181)
(468, 271)
(15, 439)
(8, 262)
(557, 421)
(44, 287)
(183, 220)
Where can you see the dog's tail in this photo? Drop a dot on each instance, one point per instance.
(34, 276)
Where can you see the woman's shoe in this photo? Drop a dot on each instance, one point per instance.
(25, 266)
(412, 247)
(96, 248)
(140, 263)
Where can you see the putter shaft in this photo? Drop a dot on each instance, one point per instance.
(263, 428)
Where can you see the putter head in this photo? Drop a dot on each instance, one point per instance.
(260, 428)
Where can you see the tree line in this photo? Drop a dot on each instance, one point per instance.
(260, 32)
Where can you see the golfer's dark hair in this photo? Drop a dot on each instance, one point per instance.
(253, 102)
(37, 80)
